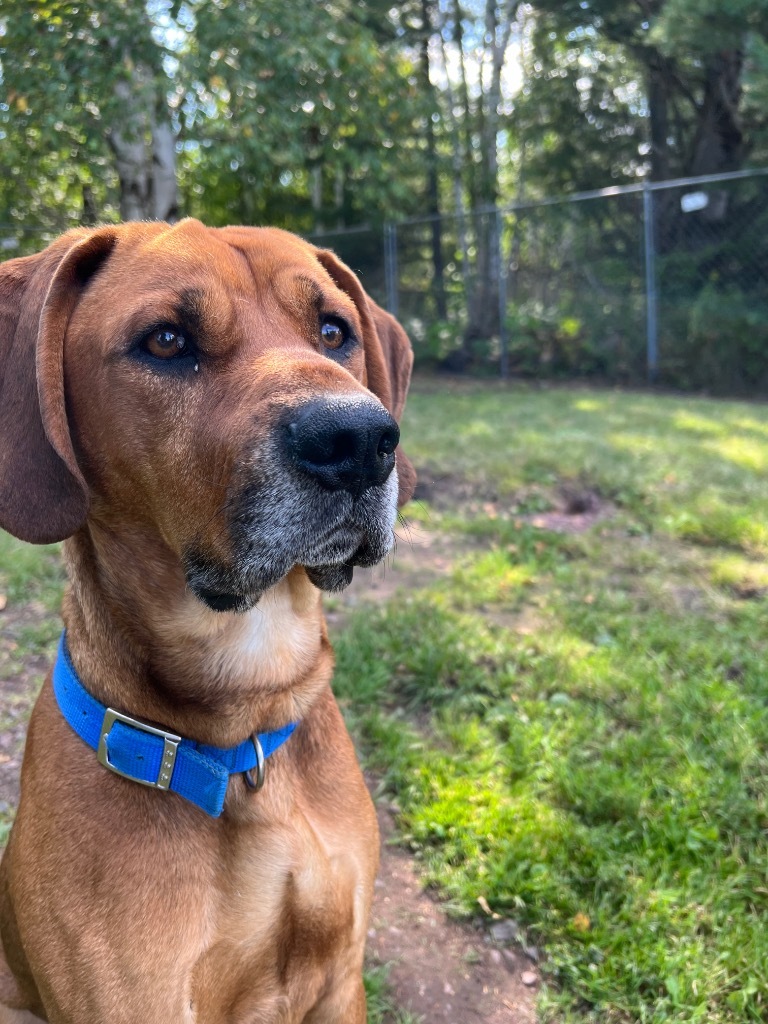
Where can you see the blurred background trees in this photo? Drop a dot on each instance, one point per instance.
(342, 115)
(331, 114)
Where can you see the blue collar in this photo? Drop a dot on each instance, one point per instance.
(154, 757)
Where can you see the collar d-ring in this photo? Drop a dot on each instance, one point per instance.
(256, 783)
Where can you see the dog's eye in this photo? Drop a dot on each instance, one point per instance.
(166, 343)
(334, 331)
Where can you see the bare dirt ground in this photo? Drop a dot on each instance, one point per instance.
(442, 971)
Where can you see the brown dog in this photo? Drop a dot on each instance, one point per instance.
(208, 415)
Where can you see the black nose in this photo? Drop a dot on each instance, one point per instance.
(343, 445)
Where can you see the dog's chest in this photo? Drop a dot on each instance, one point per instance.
(291, 914)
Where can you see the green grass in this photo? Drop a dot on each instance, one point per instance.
(692, 468)
(30, 573)
(599, 776)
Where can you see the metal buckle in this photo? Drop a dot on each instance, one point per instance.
(258, 782)
(170, 746)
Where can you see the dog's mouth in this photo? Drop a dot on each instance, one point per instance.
(330, 578)
(222, 590)
(335, 577)
(221, 601)
(279, 523)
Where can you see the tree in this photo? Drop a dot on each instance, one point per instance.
(474, 41)
(311, 124)
(306, 117)
(692, 57)
(85, 86)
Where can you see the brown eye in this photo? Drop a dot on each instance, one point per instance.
(165, 343)
(333, 332)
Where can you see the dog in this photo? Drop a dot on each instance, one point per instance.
(208, 418)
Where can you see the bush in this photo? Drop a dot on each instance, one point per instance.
(728, 340)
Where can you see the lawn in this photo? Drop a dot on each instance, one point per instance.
(574, 724)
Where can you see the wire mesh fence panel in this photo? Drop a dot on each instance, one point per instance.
(665, 281)
(559, 286)
(711, 272)
(575, 290)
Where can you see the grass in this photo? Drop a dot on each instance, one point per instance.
(599, 773)
(575, 727)
(29, 573)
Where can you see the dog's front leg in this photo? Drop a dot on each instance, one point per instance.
(344, 1005)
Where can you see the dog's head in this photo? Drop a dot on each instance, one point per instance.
(233, 391)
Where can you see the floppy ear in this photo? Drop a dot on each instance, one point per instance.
(388, 358)
(43, 496)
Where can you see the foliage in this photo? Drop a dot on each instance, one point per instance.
(335, 117)
(62, 66)
(687, 63)
(741, 363)
(575, 728)
(305, 123)
(575, 78)
(293, 117)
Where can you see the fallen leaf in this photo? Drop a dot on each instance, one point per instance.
(581, 922)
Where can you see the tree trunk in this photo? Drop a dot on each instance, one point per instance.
(484, 323)
(717, 145)
(658, 90)
(458, 162)
(433, 185)
(719, 141)
(164, 196)
(145, 156)
(666, 213)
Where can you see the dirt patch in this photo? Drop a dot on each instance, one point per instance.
(576, 509)
(571, 507)
(440, 970)
(451, 492)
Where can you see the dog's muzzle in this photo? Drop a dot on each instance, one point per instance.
(321, 493)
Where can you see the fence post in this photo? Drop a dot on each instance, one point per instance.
(651, 311)
(390, 266)
(502, 265)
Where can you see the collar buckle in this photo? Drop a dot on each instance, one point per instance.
(170, 746)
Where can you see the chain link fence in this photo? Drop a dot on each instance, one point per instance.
(664, 282)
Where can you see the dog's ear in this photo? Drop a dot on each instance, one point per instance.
(388, 358)
(43, 496)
